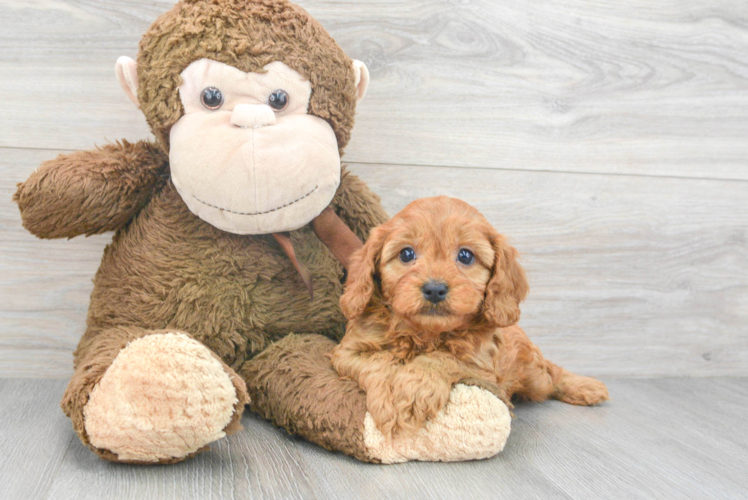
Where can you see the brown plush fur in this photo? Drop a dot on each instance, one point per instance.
(166, 269)
(170, 269)
(316, 391)
(406, 353)
(119, 181)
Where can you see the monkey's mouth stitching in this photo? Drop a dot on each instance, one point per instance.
(257, 213)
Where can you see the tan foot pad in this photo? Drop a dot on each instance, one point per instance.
(164, 396)
(475, 424)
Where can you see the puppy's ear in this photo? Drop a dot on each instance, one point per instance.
(359, 287)
(507, 287)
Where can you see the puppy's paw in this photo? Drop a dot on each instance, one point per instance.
(578, 390)
(380, 406)
(417, 398)
(473, 425)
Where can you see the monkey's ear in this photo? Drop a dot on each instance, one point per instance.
(362, 78)
(127, 74)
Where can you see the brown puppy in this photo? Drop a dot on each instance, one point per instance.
(432, 300)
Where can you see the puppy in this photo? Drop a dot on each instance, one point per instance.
(432, 299)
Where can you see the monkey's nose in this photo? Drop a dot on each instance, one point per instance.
(435, 291)
(252, 115)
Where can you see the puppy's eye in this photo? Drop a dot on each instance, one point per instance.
(407, 254)
(465, 256)
(212, 98)
(278, 100)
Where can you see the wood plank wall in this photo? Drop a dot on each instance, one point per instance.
(609, 140)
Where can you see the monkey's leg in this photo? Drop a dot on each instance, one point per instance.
(293, 384)
(143, 396)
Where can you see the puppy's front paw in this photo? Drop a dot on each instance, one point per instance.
(417, 398)
(380, 406)
(474, 424)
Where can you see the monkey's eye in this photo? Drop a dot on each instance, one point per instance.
(465, 256)
(278, 100)
(407, 254)
(212, 98)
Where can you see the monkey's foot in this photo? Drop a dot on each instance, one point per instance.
(164, 398)
(475, 424)
(293, 384)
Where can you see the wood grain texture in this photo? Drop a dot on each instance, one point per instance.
(666, 438)
(33, 440)
(564, 85)
(630, 276)
(44, 284)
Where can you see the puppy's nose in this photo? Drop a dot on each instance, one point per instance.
(252, 116)
(435, 291)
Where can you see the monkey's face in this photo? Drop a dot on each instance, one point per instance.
(246, 156)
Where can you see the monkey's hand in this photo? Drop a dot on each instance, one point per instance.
(91, 192)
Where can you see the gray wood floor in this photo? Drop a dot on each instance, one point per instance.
(664, 438)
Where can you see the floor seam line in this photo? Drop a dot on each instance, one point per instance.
(500, 169)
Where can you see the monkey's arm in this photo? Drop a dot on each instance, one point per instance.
(357, 205)
(90, 192)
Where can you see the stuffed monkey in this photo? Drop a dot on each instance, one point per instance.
(224, 228)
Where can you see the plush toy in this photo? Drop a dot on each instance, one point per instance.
(232, 230)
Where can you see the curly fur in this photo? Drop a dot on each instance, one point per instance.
(406, 353)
